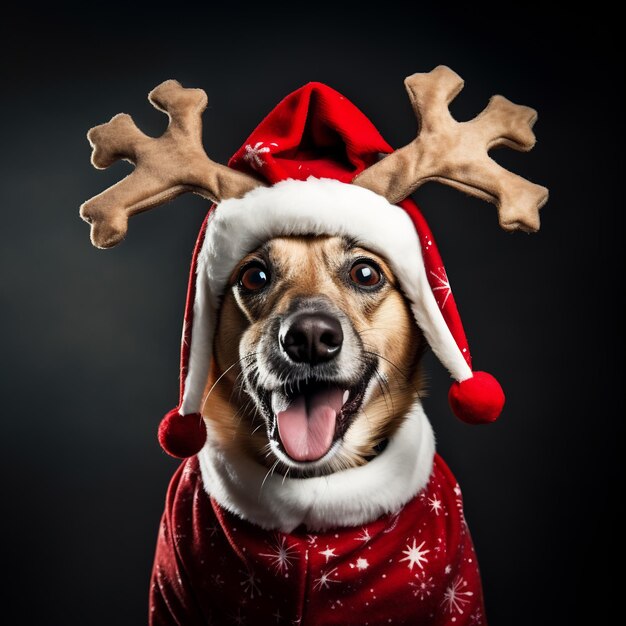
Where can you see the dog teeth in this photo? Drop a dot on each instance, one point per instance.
(279, 402)
(346, 395)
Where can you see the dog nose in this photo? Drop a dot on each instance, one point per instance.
(313, 338)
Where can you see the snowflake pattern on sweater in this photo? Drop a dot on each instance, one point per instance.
(417, 566)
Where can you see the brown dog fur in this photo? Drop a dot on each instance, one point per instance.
(306, 266)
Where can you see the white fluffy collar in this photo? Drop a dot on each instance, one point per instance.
(348, 498)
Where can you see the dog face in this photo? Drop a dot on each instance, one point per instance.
(316, 356)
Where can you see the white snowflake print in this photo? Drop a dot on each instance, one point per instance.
(212, 530)
(160, 575)
(325, 579)
(423, 586)
(435, 505)
(394, 522)
(178, 535)
(311, 540)
(281, 555)
(328, 553)
(415, 555)
(476, 618)
(448, 569)
(238, 618)
(362, 564)
(459, 506)
(250, 584)
(443, 285)
(277, 615)
(187, 472)
(365, 536)
(253, 153)
(454, 597)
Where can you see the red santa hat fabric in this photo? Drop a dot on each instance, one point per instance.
(309, 148)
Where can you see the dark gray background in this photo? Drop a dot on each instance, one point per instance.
(91, 338)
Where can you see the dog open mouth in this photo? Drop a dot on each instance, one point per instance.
(311, 416)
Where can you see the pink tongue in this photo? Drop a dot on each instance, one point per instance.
(307, 425)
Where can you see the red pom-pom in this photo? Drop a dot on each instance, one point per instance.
(477, 400)
(182, 436)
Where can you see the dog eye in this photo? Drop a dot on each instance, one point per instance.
(253, 277)
(364, 274)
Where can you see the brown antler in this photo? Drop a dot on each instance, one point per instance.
(456, 153)
(164, 167)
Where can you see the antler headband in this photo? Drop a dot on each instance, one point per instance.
(447, 151)
(165, 167)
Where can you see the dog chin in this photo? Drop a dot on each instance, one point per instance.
(307, 420)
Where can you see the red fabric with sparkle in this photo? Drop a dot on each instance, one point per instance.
(314, 131)
(416, 567)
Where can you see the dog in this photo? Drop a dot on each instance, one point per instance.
(313, 321)
(317, 365)
(310, 492)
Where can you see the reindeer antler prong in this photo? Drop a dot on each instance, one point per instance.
(165, 166)
(456, 153)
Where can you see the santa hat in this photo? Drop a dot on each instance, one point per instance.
(313, 167)
(310, 148)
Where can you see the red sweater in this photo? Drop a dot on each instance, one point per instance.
(415, 567)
